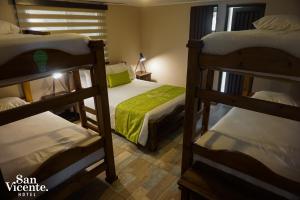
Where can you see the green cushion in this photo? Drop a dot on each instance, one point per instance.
(118, 79)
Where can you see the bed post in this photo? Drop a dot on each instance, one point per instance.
(247, 85)
(82, 113)
(206, 108)
(27, 91)
(192, 102)
(101, 103)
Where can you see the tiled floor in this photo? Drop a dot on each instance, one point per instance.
(143, 175)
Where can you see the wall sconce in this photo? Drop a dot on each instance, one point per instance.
(141, 61)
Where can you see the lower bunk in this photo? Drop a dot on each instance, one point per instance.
(51, 150)
(247, 155)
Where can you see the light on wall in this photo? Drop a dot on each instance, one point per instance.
(57, 77)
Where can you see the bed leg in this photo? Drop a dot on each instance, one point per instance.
(111, 179)
(185, 195)
(152, 139)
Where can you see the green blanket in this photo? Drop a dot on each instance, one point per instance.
(130, 113)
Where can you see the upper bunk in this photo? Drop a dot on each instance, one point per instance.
(223, 43)
(12, 45)
(21, 49)
(271, 50)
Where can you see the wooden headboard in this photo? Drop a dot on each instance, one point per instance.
(27, 91)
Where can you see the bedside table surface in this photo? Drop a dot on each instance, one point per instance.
(146, 76)
(140, 73)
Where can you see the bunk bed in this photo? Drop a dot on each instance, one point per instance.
(162, 119)
(38, 144)
(252, 152)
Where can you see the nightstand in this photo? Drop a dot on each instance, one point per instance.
(146, 76)
(67, 112)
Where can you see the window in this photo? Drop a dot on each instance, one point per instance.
(88, 22)
(214, 19)
(229, 28)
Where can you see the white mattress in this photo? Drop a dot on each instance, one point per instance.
(27, 143)
(121, 93)
(274, 141)
(12, 45)
(221, 43)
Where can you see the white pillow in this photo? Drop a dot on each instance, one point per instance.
(85, 76)
(278, 23)
(8, 28)
(120, 67)
(276, 97)
(11, 102)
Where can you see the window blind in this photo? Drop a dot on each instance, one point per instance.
(88, 22)
(202, 21)
(240, 18)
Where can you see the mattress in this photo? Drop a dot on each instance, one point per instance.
(27, 143)
(221, 43)
(272, 140)
(12, 45)
(121, 93)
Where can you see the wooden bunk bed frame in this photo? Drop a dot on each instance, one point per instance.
(211, 183)
(166, 123)
(11, 73)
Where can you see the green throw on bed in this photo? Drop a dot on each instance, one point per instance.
(130, 113)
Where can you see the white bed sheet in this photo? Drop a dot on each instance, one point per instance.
(27, 143)
(272, 140)
(221, 43)
(121, 93)
(12, 45)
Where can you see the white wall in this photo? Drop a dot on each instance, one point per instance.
(7, 11)
(123, 29)
(283, 7)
